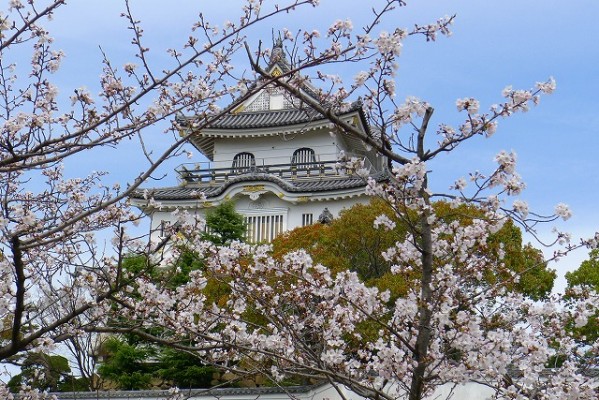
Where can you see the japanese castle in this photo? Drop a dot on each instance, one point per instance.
(276, 158)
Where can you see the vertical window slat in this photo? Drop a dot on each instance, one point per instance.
(263, 228)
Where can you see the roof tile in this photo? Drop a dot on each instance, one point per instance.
(299, 186)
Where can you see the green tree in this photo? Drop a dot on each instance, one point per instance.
(224, 224)
(132, 363)
(45, 372)
(184, 370)
(348, 242)
(127, 363)
(587, 278)
(351, 242)
(587, 275)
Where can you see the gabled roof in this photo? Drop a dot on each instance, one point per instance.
(271, 123)
(257, 116)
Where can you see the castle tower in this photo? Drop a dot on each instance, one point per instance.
(276, 158)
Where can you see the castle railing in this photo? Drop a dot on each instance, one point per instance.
(198, 173)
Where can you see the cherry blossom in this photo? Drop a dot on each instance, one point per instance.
(563, 211)
(59, 273)
(457, 321)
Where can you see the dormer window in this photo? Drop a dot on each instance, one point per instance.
(303, 158)
(243, 163)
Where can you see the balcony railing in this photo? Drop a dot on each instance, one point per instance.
(306, 170)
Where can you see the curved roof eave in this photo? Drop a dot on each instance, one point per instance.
(314, 190)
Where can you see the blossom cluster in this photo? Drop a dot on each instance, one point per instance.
(457, 320)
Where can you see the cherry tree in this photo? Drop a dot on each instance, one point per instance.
(56, 272)
(292, 317)
(287, 317)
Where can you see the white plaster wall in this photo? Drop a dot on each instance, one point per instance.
(450, 391)
(317, 207)
(275, 149)
(328, 392)
(265, 202)
(467, 391)
(268, 203)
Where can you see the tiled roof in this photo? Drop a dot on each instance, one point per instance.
(298, 186)
(264, 119)
(270, 118)
(216, 393)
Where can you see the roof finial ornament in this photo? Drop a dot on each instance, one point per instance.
(277, 54)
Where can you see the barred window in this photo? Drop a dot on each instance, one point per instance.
(243, 163)
(303, 158)
(263, 228)
(307, 219)
(164, 228)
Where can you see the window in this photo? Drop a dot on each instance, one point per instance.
(263, 228)
(307, 219)
(303, 158)
(243, 163)
(168, 228)
(162, 228)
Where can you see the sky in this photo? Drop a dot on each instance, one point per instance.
(494, 44)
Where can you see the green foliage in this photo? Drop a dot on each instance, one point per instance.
(587, 278)
(348, 242)
(178, 274)
(127, 365)
(351, 242)
(136, 264)
(534, 278)
(184, 370)
(42, 371)
(131, 365)
(224, 224)
(587, 275)
(354, 239)
(74, 384)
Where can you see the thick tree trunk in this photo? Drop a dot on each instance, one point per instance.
(424, 310)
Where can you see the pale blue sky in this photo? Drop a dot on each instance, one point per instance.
(494, 44)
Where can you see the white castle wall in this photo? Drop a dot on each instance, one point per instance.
(275, 149)
(267, 204)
